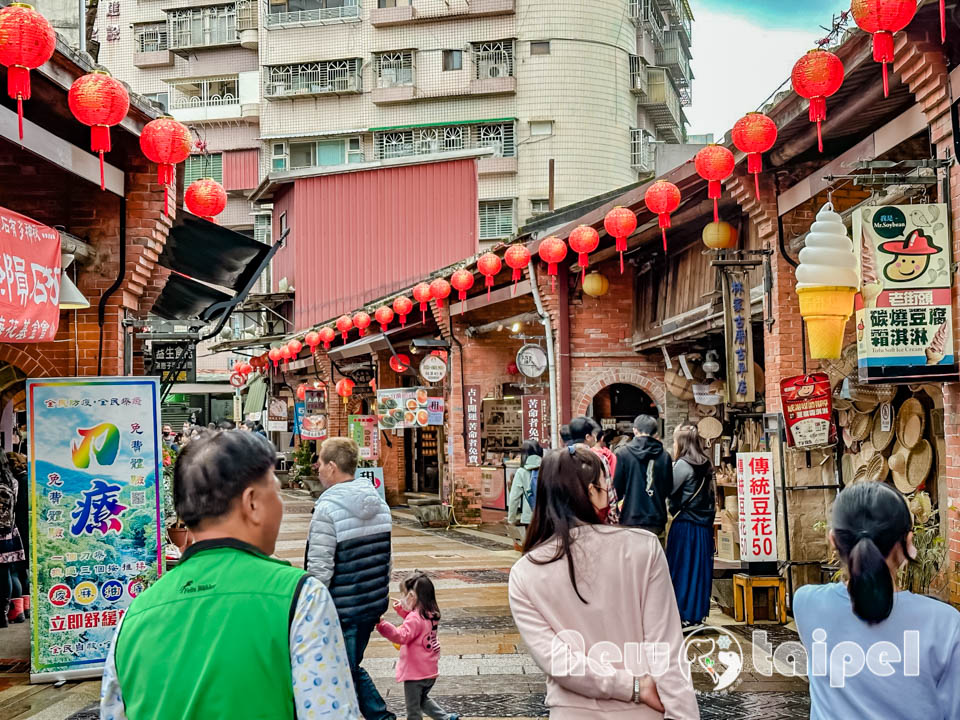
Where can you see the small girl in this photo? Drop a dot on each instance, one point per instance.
(419, 647)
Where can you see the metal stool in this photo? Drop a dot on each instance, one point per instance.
(743, 587)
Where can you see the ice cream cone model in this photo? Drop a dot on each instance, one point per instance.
(870, 280)
(934, 351)
(827, 283)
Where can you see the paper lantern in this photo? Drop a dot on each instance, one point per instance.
(400, 363)
(27, 41)
(100, 101)
(720, 236)
(423, 295)
(883, 18)
(344, 325)
(287, 354)
(167, 143)
(489, 265)
(512, 368)
(295, 347)
(662, 198)
(205, 198)
(275, 357)
(345, 388)
(552, 250)
(620, 224)
(754, 134)
(583, 241)
(326, 336)
(361, 321)
(312, 339)
(440, 289)
(402, 307)
(517, 258)
(245, 368)
(462, 280)
(384, 316)
(301, 392)
(816, 76)
(714, 164)
(596, 285)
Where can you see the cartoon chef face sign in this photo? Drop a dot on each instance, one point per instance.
(911, 257)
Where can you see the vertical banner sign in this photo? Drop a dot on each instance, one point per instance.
(471, 423)
(29, 279)
(534, 418)
(904, 312)
(741, 386)
(95, 457)
(313, 425)
(807, 403)
(277, 410)
(365, 430)
(758, 519)
(299, 409)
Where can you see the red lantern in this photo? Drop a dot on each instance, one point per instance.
(345, 388)
(552, 250)
(361, 321)
(402, 307)
(344, 325)
(275, 357)
(662, 198)
(489, 265)
(400, 363)
(583, 241)
(98, 100)
(167, 143)
(462, 280)
(312, 339)
(287, 354)
(326, 336)
(620, 224)
(754, 134)
(301, 392)
(714, 164)
(883, 18)
(27, 41)
(440, 289)
(205, 198)
(517, 258)
(512, 368)
(384, 316)
(423, 295)
(246, 368)
(295, 347)
(816, 76)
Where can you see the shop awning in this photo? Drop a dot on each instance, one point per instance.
(184, 299)
(370, 344)
(256, 396)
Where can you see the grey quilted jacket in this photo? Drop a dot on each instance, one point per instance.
(348, 549)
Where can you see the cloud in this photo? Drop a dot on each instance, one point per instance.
(737, 65)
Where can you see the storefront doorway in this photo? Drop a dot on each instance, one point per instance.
(616, 406)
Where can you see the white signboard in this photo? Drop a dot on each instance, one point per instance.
(433, 369)
(758, 517)
(532, 361)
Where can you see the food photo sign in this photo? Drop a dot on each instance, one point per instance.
(904, 312)
(401, 408)
(808, 411)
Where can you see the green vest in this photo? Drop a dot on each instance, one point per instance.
(210, 639)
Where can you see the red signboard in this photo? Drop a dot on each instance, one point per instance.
(808, 411)
(29, 279)
(471, 419)
(535, 419)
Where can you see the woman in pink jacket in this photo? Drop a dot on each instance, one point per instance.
(595, 605)
(417, 668)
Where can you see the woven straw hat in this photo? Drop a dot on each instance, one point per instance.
(860, 427)
(842, 367)
(881, 438)
(860, 474)
(847, 437)
(877, 468)
(911, 422)
(710, 428)
(678, 385)
(910, 467)
(840, 403)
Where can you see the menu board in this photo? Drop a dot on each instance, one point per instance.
(808, 410)
(502, 423)
(401, 408)
(363, 429)
(758, 527)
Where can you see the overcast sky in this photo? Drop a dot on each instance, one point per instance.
(744, 49)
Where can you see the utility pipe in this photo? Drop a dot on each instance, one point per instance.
(551, 362)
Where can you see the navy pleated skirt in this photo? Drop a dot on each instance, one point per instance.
(690, 557)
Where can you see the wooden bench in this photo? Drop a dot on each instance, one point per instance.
(775, 587)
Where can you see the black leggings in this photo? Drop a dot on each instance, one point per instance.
(10, 586)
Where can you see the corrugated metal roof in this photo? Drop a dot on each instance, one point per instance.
(241, 169)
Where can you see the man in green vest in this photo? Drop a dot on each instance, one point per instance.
(230, 632)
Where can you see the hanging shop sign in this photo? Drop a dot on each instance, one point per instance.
(299, 409)
(277, 415)
(374, 475)
(532, 361)
(313, 425)
(401, 408)
(738, 336)
(435, 407)
(502, 424)
(177, 363)
(237, 409)
(364, 429)
(471, 423)
(29, 279)
(534, 419)
(807, 404)
(493, 488)
(904, 312)
(433, 369)
(95, 457)
(758, 519)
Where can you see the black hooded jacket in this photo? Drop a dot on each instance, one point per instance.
(644, 494)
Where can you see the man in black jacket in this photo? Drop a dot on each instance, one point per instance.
(644, 478)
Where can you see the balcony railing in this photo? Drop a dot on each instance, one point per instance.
(314, 79)
(202, 27)
(662, 101)
(641, 150)
(647, 15)
(676, 61)
(425, 141)
(349, 10)
(247, 15)
(638, 75)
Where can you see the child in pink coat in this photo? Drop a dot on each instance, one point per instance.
(419, 649)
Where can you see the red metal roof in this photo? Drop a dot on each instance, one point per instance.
(241, 169)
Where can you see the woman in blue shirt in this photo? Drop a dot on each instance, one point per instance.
(874, 651)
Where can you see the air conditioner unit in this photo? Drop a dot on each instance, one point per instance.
(494, 70)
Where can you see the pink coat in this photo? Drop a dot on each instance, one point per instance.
(419, 647)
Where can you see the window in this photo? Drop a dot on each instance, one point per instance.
(329, 76)
(498, 136)
(541, 127)
(278, 160)
(540, 206)
(150, 38)
(302, 155)
(496, 219)
(299, 11)
(540, 47)
(316, 153)
(494, 59)
(452, 60)
(161, 98)
(208, 92)
(200, 166)
(395, 68)
(199, 27)
(263, 228)
(283, 223)
(355, 150)
(426, 140)
(386, 3)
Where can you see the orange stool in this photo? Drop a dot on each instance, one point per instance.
(743, 587)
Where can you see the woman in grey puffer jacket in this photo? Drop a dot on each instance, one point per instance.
(531, 455)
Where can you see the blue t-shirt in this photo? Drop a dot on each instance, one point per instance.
(907, 666)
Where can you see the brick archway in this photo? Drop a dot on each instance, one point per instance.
(624, 376)
(28, 358)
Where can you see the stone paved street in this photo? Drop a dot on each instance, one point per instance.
(485, 671)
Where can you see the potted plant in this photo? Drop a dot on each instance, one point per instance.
(927, 569)
(176, 530)
(304, 470)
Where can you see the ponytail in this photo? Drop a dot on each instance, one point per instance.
(871, 585)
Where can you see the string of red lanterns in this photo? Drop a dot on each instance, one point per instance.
(754, 134)
(620, 224)
(99, 100)
(883, 18)
(27, 41)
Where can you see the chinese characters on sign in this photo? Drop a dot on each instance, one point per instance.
(365, 430)
(904, 312)
(277, 415)
(400, 408)
(374, 475)
(95, 507)
(471, 423)
(313, 423)
(174, 362)
(535, 419)
(758, 518)
(808, 410)
(738, 336)
(29, 279)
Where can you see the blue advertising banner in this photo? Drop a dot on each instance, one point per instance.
(95, 457)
